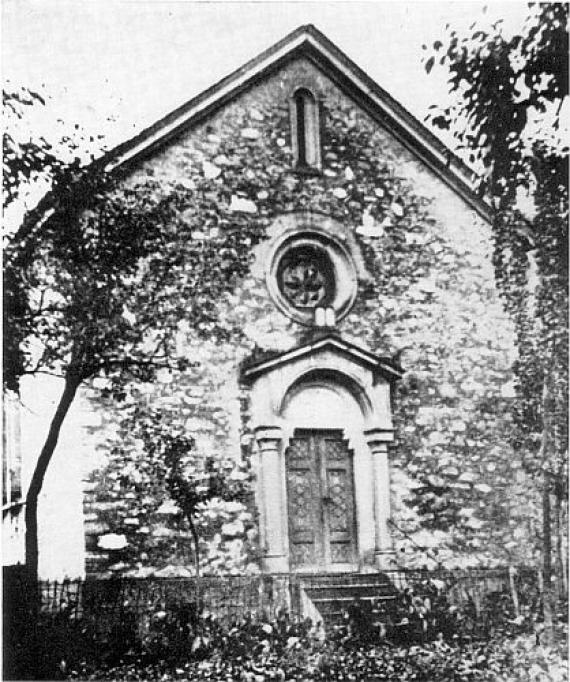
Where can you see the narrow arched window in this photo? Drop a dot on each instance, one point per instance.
(305, 130)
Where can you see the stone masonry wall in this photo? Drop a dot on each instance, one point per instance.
(458, 489)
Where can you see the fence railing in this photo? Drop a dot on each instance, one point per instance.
(77, 619)
(230, 598)
(227, 597)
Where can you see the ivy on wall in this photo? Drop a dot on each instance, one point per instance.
(430, 298)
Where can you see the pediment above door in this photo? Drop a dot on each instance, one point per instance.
(329, 360)
(321, 414)
(336, 345)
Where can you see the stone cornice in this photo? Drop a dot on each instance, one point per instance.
(384, 366)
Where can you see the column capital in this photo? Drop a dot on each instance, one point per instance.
(268, 435)
(379, 438)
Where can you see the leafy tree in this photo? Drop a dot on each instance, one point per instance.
(28, 161)
(78, 281)
(97, 279)
(168, 451)
(26, 158)
(506, 112)
(192, 487)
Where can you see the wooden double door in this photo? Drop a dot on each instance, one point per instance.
(320, 501)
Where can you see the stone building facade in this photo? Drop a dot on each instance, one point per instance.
(364, 380)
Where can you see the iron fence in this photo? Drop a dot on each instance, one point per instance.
(102, 614)
(101, 603)
(231, 597)
(228, 598)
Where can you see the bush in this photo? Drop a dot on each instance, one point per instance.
(422, 613)
(496, 661)
(416, 635)
(288, 650)
(170, 634)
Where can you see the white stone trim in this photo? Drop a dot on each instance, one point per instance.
(274, 386)
(378, 441)
(328, 342)
(340, 259)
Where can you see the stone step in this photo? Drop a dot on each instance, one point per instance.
(333, 595)
(334, 612)
(348, 600)
(317, 579)
(349, 591)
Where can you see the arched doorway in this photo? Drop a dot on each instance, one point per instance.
(322, 420)
(320, 476)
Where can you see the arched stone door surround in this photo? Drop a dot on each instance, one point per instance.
(358, 387)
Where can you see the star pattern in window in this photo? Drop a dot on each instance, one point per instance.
(306, 279)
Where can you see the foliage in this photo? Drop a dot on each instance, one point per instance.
(428, 291)
(505, 88)
(97, 276)
(88, 292)
(509, 93)
(423, 631)
(425, 290)
(172, 497)
(75, 281)
(503, 84)
(287, 649)
(192, 489)
(28, 158)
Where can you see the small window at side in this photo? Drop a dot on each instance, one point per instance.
(305, 130)
(11, 453)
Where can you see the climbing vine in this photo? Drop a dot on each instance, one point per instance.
(509, 93)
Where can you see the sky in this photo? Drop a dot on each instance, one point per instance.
(114, 67)
(135, 61)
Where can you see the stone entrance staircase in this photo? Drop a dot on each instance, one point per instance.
(333, 594)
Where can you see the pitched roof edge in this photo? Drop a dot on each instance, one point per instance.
(393, 103)
(171, 122)
(401, 123)
(412, 133)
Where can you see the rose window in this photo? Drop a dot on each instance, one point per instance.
(306, 278)
(311, 275)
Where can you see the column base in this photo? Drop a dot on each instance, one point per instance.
(385, 559)
(277, 563)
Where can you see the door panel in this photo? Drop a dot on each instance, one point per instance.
(339, 517)
(303, 511)
(320, 494)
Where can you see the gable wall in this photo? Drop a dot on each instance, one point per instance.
(432, 294)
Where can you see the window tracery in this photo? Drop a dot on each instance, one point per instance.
(311, 276)
(306, 278)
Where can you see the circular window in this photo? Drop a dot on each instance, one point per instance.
(310, 270)
(305, 277)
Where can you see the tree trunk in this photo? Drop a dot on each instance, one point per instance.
(72, 383)
(195, 540)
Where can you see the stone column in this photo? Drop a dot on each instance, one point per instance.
(378, 441)
(274, 540)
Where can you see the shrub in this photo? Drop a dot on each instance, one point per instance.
(418, 635)
(262, 651)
